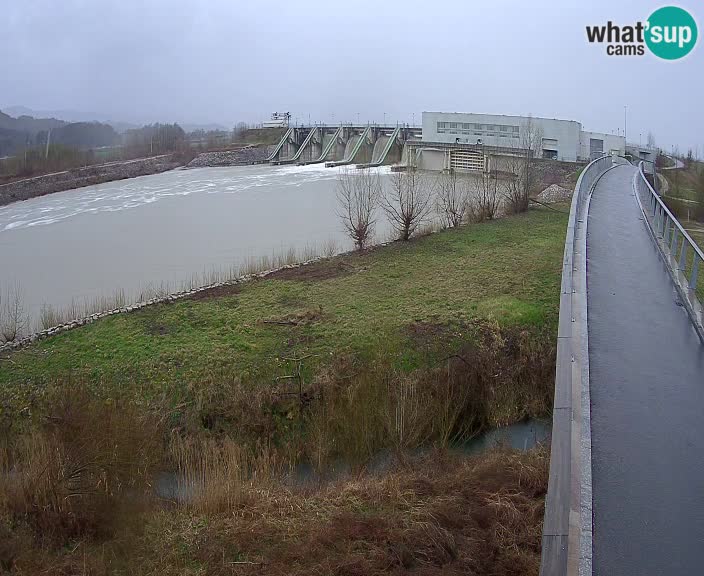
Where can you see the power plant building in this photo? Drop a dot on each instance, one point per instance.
(555, 139)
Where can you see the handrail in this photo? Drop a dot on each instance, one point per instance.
(567, 524)
(675, 244)
(279, 145)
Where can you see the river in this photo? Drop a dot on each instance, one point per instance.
(161, 230)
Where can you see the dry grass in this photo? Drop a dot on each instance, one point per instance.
(75, 476)
(441, 514)
(437, 514)
(68, 474)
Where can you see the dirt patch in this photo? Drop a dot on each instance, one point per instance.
(217, 292)
(427, 335)
(157, 329)
(300, 318)
(323, 270)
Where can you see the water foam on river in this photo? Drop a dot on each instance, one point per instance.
(135, 192)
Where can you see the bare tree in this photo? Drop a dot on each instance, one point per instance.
(13, 319)
(358, 195)
(515, 185)
(408, 202)
(522, 166)
(488, 197)
(650, 142)
(452, 200)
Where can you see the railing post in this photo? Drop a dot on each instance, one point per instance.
(673, 243)
(695, 271)
(683, 255)
(666, 233)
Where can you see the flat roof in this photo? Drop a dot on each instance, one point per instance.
(501, 115)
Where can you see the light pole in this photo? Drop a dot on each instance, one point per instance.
(625, 123)
(384, 123)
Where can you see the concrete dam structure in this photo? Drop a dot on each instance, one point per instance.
(363, 145)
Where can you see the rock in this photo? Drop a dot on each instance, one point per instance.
(240, 157)
(554, 193)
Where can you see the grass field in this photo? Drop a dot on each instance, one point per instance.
(388, 298)
(403, 351)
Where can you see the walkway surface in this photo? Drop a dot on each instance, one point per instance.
(647, 398)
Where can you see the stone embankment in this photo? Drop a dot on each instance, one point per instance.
(69, 179)
(26, 340)
(240, 157)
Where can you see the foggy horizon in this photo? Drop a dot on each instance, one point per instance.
(228, 62)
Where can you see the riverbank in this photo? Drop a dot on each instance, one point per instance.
(240, 157)
(416, 344)
(77, 178)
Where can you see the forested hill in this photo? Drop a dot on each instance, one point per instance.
(26, 131)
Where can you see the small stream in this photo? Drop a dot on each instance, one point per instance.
(522, 436)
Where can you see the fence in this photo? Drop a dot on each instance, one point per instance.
(684, 258)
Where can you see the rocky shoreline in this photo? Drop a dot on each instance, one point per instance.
(240, 157)
(79, 177)
(26, 340)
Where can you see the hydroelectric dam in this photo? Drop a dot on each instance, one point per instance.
(363, 145)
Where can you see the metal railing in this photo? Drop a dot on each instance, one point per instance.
(684, 256)
(567, 524)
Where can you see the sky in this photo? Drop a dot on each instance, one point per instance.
(227, 61)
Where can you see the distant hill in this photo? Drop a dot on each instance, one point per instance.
(70, 116)
(26, 131)
(118, 125)
(28, 124)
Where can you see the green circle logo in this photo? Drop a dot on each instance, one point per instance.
(670, 32)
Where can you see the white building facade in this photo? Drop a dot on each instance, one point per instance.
(557, 139)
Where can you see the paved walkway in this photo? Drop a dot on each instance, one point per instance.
(647, 398)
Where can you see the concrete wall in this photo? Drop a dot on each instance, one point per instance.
(611, 143)
(427, 158)
(500, 130)
(565, 137)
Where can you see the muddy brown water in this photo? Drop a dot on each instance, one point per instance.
(161, 230)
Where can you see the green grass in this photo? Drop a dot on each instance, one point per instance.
(507, 270)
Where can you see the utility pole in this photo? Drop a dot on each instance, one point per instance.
(48, 139)
(625, 120)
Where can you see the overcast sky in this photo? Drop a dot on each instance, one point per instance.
(230, 60)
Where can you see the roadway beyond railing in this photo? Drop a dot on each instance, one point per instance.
(684, 258)
(567, 527)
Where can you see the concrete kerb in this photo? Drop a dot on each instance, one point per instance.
(567, 530)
